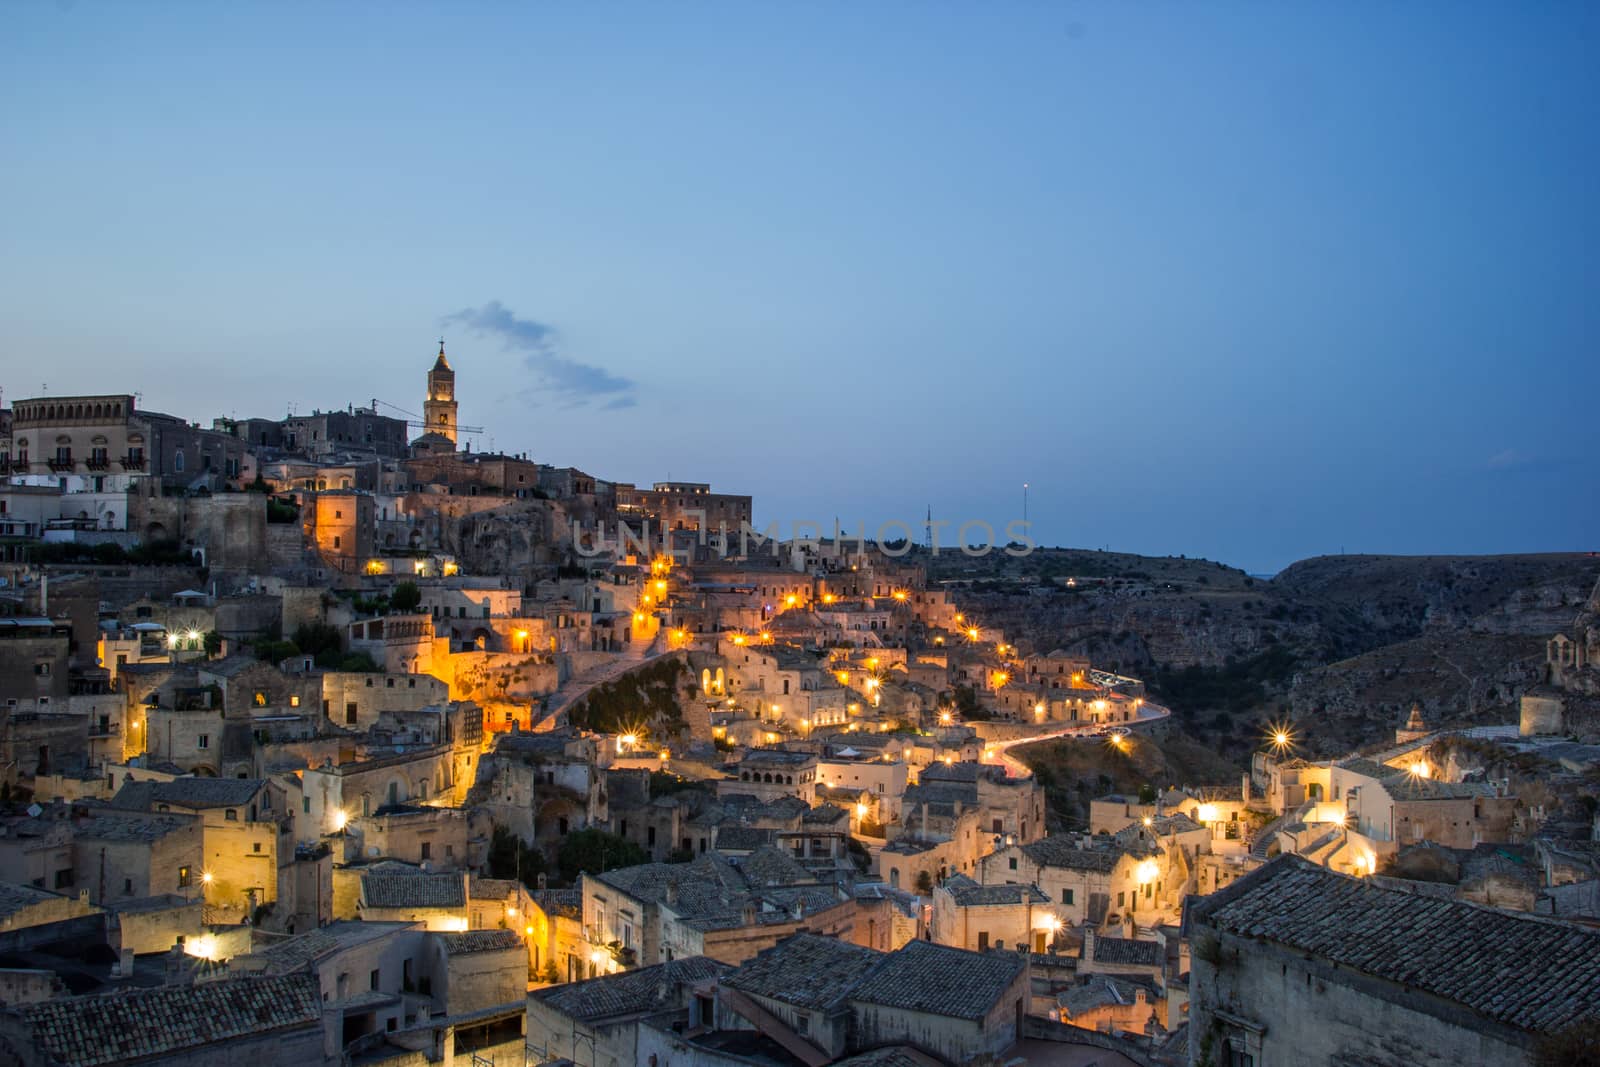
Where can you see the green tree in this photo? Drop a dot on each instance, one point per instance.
(213, 642)
(509, 857)
(593, 850)
(405, 598)
(924, 883)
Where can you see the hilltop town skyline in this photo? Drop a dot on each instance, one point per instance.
(1217, 282)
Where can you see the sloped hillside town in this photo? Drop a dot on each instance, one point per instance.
(332, 741)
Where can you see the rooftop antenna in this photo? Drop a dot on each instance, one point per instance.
(1024, 503)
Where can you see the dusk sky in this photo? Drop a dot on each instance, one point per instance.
(1251, 281)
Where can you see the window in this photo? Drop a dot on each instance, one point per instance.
(305, 805)
(231, 815)
(350, 713)
(257, 847)
(203, 741)
(377, 975)
(427, 850)
(1121, 899)
(41, 670)
(294, 702)
(260, 699)
(177, 461)
(127, 886)
(983, 941)
(183, 878)
(1013, 863)
(1066, 896)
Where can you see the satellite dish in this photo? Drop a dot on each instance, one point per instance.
(35, 810)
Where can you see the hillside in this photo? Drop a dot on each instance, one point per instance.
(1341, 644)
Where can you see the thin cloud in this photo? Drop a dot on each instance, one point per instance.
(567, 381)
(1517, 461)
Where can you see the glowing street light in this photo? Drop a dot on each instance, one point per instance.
(1280, 735)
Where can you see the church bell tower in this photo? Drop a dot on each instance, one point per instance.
(439, 410)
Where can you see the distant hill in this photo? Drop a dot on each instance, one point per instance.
(1343, 644)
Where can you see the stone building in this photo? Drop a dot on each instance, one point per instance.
(241, 829)
(107, 439)
(597, 1021)
(980, 917)
(121, 855)
(652, 913)
(1380, 977)
(683, 506)
(273, 1021)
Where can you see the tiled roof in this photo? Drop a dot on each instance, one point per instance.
(1367, 768)
(775, 757)
(188, 793)
(631, 992)
(413, 891)
(106, 824)
(132, 1025)
(293, 953)
(568, 902)
(1128, 950)
(806, 970)
(738, 838)
(889, 1056)
(768, 866)
(1411, 787)
(14, 897)
(493, 888)
(1066, 850)
(1099, 991)
(1535, 974)
(825, 815)
(462, 944)
(973, 895)
(925, 977)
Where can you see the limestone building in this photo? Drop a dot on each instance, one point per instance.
(1294, 964)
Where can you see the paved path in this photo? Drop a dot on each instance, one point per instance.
(577, 687)
(996, 752)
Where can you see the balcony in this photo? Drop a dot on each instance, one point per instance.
(62, 464)
(132, 463)
(98, 463)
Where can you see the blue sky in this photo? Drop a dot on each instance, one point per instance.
(1250, 281)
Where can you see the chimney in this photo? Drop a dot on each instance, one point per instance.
(672, 892)
(541, 883)
(125, 962)
(1088, 943)
(1244, 788)
(749, 915)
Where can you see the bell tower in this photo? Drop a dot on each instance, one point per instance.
(439, 410)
